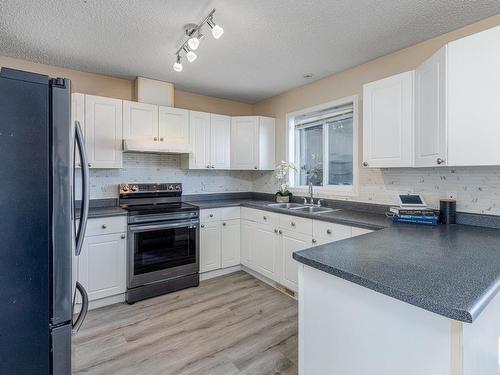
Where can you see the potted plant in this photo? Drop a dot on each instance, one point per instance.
(282, 170)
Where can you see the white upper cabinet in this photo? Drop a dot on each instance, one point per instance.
(252, 143)
(173, 125)
(140, 121)
(388, 122)
(199, 129)
(430, 119)
(103, 131)
(220, 141)
(210, 137)
(473, 73)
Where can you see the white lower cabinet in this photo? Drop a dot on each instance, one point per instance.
(230, 243)
(102, 264)
(210, 246)
(220, 234)
(266, 251)
(290, 243)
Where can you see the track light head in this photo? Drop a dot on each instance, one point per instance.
(178, 64)
(217, 30)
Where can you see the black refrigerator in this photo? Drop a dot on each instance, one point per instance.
(38, 232)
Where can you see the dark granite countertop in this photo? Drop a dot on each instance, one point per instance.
(95, 212)
(342, 216)
(449, 270)
(452, 270)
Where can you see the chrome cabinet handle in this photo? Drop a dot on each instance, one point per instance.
(155, 138)
(90, 165)
(208, 166)
(255, 168)
(161, 139)
(365, 164)
(292, 223)
(123, 236)
(104, 226)
(213, 166)
(314, 240)
(439, 161)
(211, 215)
(223, 224)
(275, 231)
(264, 217)
(280, 231)
(202, 225)
(328, 231)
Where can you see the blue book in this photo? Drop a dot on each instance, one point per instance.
(426, 220)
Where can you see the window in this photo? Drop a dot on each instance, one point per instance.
(323, 146)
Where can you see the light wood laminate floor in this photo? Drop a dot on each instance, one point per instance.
(234, 324)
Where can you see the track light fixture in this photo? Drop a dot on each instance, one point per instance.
(194, 37)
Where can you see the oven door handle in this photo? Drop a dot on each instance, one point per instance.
(189, 224)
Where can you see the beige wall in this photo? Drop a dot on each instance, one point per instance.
(350, 82)
(98, 84)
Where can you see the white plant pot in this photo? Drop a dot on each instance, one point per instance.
(282, 199)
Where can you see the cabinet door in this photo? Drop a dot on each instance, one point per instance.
(248, 231)
(244, 142)
(173, 125)
(220, 140)
(388, 122)
(430, 121)
(102, 265)
(140, 121)
(78, 114)
(210, 246)
(103, 131)
(199, 134)
(291, 242)
(230, 243)
(267, 143)
(472, 98)
(266, 252)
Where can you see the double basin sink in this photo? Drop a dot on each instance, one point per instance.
(301, 208)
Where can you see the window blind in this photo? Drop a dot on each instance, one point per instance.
(320, 117)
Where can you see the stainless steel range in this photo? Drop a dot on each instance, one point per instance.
(163, 240)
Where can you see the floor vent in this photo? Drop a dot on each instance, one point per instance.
(285, 290)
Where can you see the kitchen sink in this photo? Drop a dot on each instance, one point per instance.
(285, 205)
(314, 209)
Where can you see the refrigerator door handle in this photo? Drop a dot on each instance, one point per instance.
(84, 209)
(83, 312)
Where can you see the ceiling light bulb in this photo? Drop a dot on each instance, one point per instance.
(178, 64)
(217, 30)
(193, 43)
(191, 56)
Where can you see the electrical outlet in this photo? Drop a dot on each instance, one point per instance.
(451, 195)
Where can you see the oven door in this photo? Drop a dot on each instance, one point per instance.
(159, 251)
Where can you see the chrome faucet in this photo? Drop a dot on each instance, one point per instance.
(311, 197)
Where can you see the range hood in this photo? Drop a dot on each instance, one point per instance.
(155, 147)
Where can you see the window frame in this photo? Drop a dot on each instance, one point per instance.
(292, 148)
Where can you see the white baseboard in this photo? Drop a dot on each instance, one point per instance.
(220, 272)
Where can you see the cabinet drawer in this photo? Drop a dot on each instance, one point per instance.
(105, 225)
(330, 231)
(295, 224)
(218, 214)
(260, 216)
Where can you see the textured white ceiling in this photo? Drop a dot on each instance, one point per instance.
(267, 46)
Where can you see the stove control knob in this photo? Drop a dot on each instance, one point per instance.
(135, 188)
(170, 187)
(125, 189)
(177, 187)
